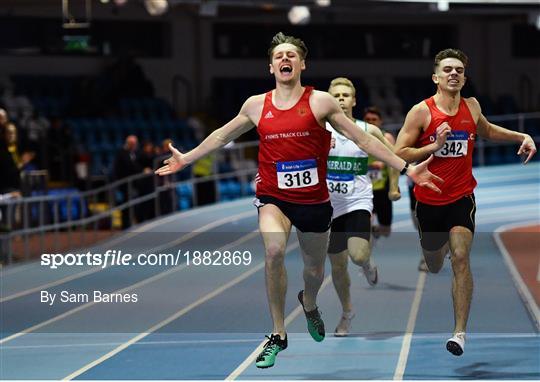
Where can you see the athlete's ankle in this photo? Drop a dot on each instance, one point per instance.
(347, 313)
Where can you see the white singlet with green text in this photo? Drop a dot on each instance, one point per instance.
(348, 184)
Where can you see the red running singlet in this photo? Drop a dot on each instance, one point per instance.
(453, 162)
(293, 152)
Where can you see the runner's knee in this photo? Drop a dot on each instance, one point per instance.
(460, 258)
(359, 251)
(315, 272)
(359, 256)
(275, 253)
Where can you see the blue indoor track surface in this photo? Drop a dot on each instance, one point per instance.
(207, 322)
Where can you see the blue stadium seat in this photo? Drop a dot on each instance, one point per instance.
(62, 204)
(184, 194)
(184, 203)
(248, 189)
(184, 190)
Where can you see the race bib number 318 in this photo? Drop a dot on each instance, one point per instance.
(297, 174)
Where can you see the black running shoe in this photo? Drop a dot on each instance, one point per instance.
(315, 323)
(272, 347)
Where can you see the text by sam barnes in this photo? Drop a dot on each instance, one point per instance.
(66, 296)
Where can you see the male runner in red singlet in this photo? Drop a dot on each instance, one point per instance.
(291, 184)
(446, 125)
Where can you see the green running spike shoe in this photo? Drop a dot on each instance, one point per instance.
(272, 347)
(315, 323)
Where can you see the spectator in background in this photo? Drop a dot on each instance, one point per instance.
(206, 166)
(3, 117)
(21, 157)
(127, 164)
(385, 187)
(164, 149)
(147, 155)
(10, 136)
(10, 181)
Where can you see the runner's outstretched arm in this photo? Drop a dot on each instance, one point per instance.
(494, 132)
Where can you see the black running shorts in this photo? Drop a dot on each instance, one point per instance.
(305, 217)
(353, 224)
(382, 206)
(412, 198)
(435, 222)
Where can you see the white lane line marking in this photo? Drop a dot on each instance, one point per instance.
(251, 358)
(89, 304)
(511, 178)
(170, 319)
(177, 216)
(146, 343)
(51, 284)
(523, 291)
(489, 336)
(407, 338)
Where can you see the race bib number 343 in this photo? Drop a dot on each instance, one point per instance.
(297, 174)
(455, 146)
(340, 184)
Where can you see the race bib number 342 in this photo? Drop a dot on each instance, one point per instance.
(455, 146)
(297, 174)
